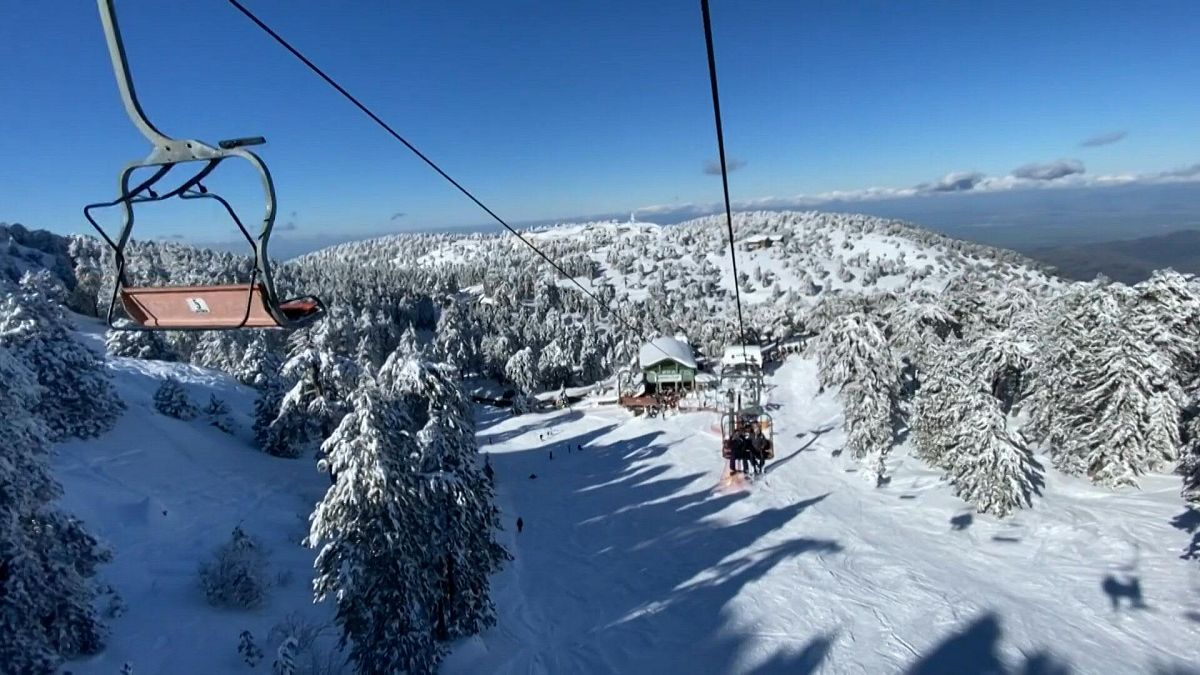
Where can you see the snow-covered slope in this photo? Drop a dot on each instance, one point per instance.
(631, 562)
(831, 251)
(164, 494)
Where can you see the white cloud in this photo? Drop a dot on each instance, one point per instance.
(1059, 168)
(955, 181)
(1050, 176)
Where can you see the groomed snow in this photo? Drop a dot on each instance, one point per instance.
(630, 562)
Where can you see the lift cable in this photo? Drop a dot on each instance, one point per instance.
(423, 157)
(712, 78)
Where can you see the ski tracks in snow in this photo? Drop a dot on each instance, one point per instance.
(630, 563)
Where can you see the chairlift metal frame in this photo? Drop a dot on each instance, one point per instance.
(262, 309)
(742, 386)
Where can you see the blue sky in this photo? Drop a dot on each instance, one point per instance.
(562, 109)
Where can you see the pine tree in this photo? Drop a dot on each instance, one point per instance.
(372, 532)
(988, 467)
(1125, 417)
(47, 558)
(854, 355)
(554, 365)
(259, 366)
(266, 409)
(138, 344)
(521, 370)
(285, 657)
(171, 400)
(960, 424)
(457, 491)
(1166, 313)
(217, 414)
(78, 399)
(236, 575)
(1189, 463)
(315, 402)
(249, 651)
(456, 340)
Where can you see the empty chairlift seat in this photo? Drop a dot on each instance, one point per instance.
(192, 307)
(223, 307)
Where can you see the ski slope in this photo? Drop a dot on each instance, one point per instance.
(630, 562)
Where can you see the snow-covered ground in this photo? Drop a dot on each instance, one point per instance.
(631, 562)
(163, 494)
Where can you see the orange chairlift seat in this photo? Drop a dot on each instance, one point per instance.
(229, 306)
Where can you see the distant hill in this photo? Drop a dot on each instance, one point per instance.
(1125, 260)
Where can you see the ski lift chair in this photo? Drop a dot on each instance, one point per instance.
(217, 307)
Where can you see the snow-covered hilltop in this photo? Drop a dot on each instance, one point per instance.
(983, 400)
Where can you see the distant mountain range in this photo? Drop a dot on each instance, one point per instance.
(1125, 260)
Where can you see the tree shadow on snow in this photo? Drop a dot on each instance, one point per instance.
(975, 649)
(1189, 521)
(646, 568)
(808, 444)
(803, 662)
(487, 419)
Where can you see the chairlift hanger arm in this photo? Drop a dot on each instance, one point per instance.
(167, 152)
(166, 149)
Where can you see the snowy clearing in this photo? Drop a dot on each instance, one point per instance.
(164, 494)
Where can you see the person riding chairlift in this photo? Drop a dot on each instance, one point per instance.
(739, 456)
(758, 446)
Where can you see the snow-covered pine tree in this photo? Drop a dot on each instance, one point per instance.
(216, 413)
(1189, 462)
(285, 657)
(496, 350)
(171, 400)
(259, 366)
(316, 400)
(236, 574)
(521, 370)
(78, 399)
(47, 559)
(459, 496)
(988, 467)
(554, 365)
(854, 356)
(920, 322)
(138, 344)
(1002, 361)
(456, 340)
(373, 533)
(937, 417)
(247, 649)
(1166, 312)
(219, 350)
(1125, 417)
(266, 409)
